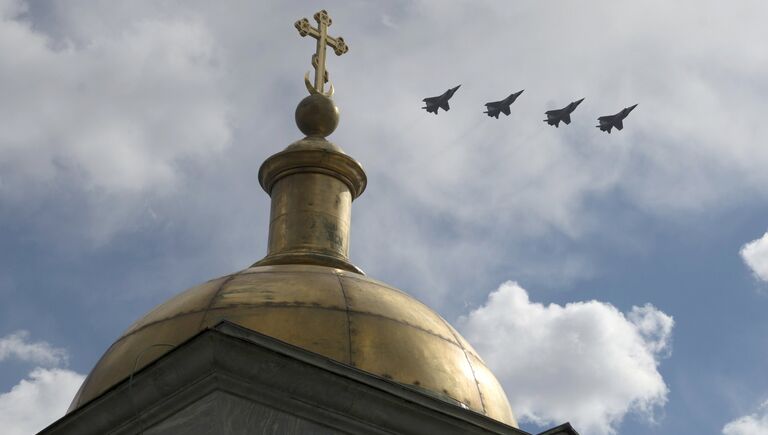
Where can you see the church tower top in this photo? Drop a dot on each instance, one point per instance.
(312, 183)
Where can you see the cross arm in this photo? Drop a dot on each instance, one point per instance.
(305, 28)
(339, 46)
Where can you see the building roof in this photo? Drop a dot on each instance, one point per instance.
(232, 380)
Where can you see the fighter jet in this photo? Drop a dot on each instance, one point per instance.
(439, 102)
(610, 121)
(494, 108)
(555, 116)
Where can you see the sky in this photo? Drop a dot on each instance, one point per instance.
(618, 281)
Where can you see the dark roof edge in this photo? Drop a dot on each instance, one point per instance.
(563, 429)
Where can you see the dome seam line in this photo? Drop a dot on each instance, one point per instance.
(471, 367)
(349, 318)
(348, 310)
(213, 299)
(87, 382)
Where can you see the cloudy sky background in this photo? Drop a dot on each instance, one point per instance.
(615, 281)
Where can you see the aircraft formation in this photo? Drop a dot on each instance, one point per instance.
(554, 117)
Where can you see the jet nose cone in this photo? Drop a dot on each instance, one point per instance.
(630, 108)
(578, 101)
(456, 88)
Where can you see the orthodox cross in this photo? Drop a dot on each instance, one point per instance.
(318, 59)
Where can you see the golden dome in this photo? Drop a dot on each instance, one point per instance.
(307, 293)
(342, 315)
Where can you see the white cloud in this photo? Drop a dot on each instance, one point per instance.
(38, 400)
(755, 255)
(585, 362)
(754, 424)
(118, 111)
(45, 394)
(16, 346)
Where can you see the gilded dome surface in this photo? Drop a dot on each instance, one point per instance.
(342, 315)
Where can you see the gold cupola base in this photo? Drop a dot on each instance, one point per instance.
(341, 315)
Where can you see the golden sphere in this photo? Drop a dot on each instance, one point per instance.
(316, 115)
(342, 315)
